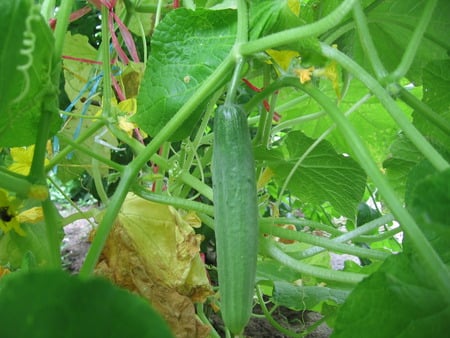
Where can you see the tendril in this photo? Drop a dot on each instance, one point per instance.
(29, 44)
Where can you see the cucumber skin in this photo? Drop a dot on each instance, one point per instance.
(236, 215)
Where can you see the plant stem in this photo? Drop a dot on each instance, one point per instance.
(293, 35)
(437, 269)
(129, 174)
(37, 170)
(350, 235)
(53, 225)
(173, 201)
(106, 64)
(366, 41)
(270, 248)
(270, 228)
(86, 134)
(14, 182)
(270, 318)
(61, 26)
(424, 110)
(198, 185)
(386, 100)
(414, 42)
(91, 153)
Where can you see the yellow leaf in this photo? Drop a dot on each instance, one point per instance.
(22, 158)
(154, 251)
(282, 58)
(294, 6)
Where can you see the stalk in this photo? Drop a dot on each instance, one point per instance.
(293, 35)
(272, 250)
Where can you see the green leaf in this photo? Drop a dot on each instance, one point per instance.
(428, 202)
(396, 301)
(436, 84)
(403, 157)
(323, 175)
(392, 24)
(298, 297)
(28, 73)
(13, 248)
(47, 304)
(400, 299)
(187, 46)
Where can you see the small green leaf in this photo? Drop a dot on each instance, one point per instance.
(28, 73)
(323, 175)
(187, 46)
(53, 304)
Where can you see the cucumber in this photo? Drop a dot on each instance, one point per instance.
(235, 215)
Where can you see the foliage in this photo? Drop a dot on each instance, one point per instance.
(347, 105)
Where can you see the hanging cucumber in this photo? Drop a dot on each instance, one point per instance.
(235, 214)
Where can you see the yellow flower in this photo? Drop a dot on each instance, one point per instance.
(10, 218)
(304, 74)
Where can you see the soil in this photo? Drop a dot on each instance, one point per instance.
(76, 244)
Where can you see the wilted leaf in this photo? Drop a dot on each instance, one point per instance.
(152, 250)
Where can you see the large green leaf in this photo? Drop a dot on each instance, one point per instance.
(53, 304)
(187, 46)
(391, 24)
(27, 69)
(323, 176)
(400, 299)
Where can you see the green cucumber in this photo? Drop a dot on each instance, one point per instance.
(235, 215)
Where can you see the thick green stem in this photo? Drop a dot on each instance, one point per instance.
(106, 66)
(270, 248)
(270, 228)
(366, 41)
(375, 224)
(61, 25)
(293, 35)
(414, 42)
(53, 224)
(391, 106)
(129, 175)
(14, 182)
(438, 271)
(198, 185)
(424, 110)
(174, 201)
(37, 170)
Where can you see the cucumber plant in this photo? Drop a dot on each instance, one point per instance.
(348, 103)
